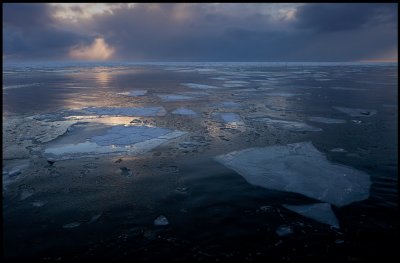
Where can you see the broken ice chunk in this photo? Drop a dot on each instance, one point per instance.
(161, 221)
(38, 203)
(199, 86)
(326, 120)
(184, 111)
(356, 112)
(299, 168)
(288, 125)
(127, 111)
(284, 231)
(321, 212)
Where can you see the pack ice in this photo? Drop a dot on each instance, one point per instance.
(299, 168)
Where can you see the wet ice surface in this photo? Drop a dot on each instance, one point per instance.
(321, 212)
(87, 151)
(297, 168)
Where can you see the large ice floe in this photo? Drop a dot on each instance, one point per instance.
(294, 126)
(320, 212)
(299, 168)
(356, 112)
(128, 111)
(119, 139)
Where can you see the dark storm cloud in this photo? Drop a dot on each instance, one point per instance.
(201, 32)
(31, 32)
(333, 17)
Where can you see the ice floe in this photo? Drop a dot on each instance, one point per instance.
(199, 86)
(118, 139)
(174, 97)
(320, 212)
(299, 168)
(288, 125)
(326, 120)
(128, 111)
(356, 112)
(184, 111)
(134, 93)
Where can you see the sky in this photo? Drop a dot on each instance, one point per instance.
(200, 32)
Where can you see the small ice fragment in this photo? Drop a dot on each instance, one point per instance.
(264, 208)
(338, 150)
(94, 218)
(356, 121)
(339, 241)
(321, 212)
(161, 221)
(38, 203)
(326, 120)
(184, 111)
(71, 225)
(284, 231)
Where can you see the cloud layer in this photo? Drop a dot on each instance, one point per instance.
(200, 32)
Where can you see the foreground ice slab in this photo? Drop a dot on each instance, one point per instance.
(132, 140)
(199, 86)
(356, 112)
(326, 120)
(127, 111)
(321, 212)
(302, 169)
(288, 125)
(184, 111)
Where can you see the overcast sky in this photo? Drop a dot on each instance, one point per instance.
(200, 32)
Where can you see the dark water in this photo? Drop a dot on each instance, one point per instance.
(86, 208)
